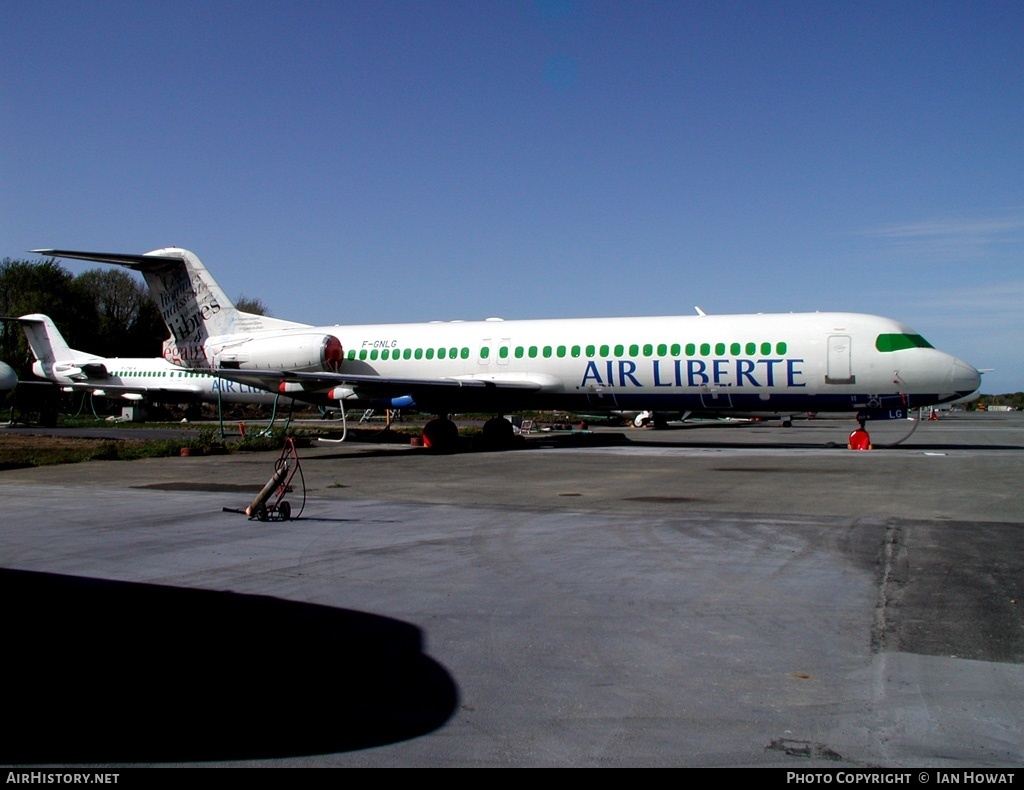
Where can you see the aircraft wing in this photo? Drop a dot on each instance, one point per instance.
(100, 389)
(467, 392)
(119, 389)
(272, 380)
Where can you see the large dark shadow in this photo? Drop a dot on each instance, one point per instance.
(105, 671)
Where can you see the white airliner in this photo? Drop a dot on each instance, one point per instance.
(152, 378)
(814, 362)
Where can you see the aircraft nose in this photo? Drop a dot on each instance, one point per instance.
(966, 378)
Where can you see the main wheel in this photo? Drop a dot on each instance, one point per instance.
(441, 434)
(498, 432)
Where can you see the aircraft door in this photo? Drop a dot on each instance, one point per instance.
(840, 369)
(485, 351)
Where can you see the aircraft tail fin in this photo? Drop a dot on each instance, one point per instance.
(47, 343)
(191, 303)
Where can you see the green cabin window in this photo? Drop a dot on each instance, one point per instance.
(899, 342)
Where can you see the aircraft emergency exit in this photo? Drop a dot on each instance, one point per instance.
(152, 378)
(815, 362)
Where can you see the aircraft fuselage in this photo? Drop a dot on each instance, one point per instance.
(152, 378)
(765, 362)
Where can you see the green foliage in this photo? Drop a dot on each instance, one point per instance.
(206, 438)
(102, 311)
(108, 450)
(130, 451)
(257, 443)
(128, 323)
(1015, 399)
(37, 287)
(252, 305)
(34, 286)
(269, 440)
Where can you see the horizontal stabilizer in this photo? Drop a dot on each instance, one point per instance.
(137, 262)
(192, 304)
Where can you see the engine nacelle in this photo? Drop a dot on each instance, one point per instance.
(8, 378)
(298, 351)
(71, 371)
(95, 370)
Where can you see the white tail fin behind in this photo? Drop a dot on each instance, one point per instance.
(47, 343)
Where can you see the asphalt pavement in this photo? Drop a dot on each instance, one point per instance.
(717, 595)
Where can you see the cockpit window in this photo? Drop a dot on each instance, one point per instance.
(900, 342)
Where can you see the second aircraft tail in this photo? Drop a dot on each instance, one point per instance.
(47, 343)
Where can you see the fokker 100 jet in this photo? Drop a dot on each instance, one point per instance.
(152, 378)
(718, 364)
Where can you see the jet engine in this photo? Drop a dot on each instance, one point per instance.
(74, 371)
(8, 378)
(298, 351)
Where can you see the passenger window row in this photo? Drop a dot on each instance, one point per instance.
(621, 350)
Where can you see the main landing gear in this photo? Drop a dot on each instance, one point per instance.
(498, 432)
(442, 434)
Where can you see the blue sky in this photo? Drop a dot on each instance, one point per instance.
(362, 162)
